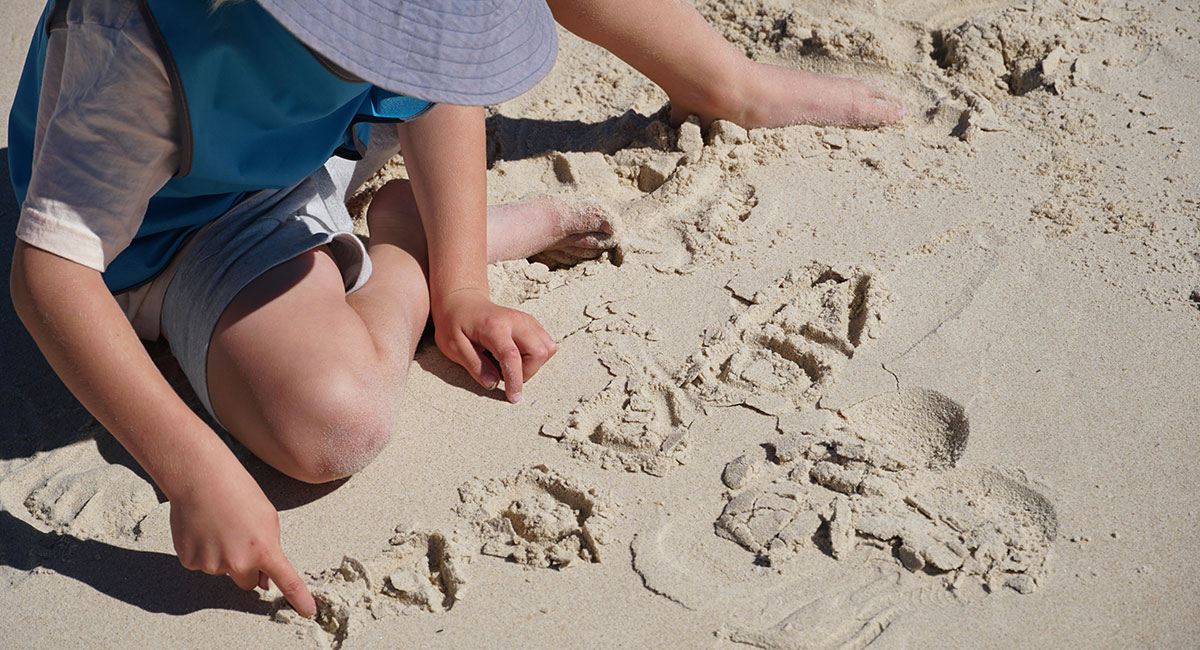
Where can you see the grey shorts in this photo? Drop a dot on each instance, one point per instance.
(185, 301)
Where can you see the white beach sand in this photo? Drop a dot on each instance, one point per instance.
(926, 386)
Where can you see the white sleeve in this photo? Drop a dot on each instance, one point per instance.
(107, 140)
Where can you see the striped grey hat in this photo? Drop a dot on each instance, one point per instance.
(468, 52)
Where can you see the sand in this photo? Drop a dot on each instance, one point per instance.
(927, 386)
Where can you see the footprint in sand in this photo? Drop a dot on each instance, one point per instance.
(683, 200)
(536, 517)
(783, 350)
(884, 479)
(417, 571)
(75, 490)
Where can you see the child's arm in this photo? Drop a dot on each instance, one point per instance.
(220, 520)
(705, 75)
(445, 154)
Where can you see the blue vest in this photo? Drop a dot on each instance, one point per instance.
(257, 110)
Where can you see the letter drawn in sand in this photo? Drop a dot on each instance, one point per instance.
(418, 571)
(537, 517)
(75, 490)
(790, 341)
(885, 479)
(639, 422)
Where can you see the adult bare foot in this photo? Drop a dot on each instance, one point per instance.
(774, 96)
(558, 230)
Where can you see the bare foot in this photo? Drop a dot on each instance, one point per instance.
(559, 230)
(775, 96)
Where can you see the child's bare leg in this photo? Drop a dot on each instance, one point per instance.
(309, 379)
(705, 75)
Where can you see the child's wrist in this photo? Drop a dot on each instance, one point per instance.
(439, 299)
(449, 274)
(193, 466)
(448, 289)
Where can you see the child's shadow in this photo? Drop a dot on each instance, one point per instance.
(154, 582)
(518, 138)
(37, 412)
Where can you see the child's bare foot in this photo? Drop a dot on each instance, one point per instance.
(559, 230)
(775, 96)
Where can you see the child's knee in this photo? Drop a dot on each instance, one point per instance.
(343, 424)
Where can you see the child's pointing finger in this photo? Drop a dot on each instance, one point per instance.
(281, 572)
(514, 379)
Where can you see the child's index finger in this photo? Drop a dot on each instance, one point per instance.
(514, 371)
(292, 585)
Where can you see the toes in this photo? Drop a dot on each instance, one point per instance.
(877, 105)
(593, 216)
(576, 249)
(608, 225)
(589, 241)
(569, 228)
(868, 110)
(883, 94)
(679, 115)
(876, 90)
(886, 104)
(558, 258)
(888, 111)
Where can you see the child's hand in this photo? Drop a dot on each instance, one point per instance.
(467, 323)
(227, 526)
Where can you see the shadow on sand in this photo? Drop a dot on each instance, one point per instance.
(154, 582)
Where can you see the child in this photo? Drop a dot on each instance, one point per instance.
(170, 157)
